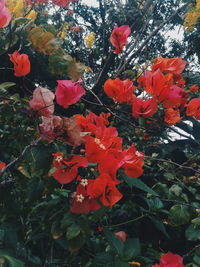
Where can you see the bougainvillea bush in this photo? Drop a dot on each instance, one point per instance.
(100, 138)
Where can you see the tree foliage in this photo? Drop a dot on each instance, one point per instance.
(50, 137)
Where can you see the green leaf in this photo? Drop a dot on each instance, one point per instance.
(159, 225)
(7, 85)
(131, 248)
(120, 263)
(114, 241)
(103, 259)
(12, 262)
(196, 222)
(35, 188)
(67, 220)
(192, 233)
(73, 231)
(77, 242)
(179, 215)
(136, 182)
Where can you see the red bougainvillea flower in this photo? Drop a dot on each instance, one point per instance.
(42, 102)
(2, 165)
(121, 235)
(153, 82)
(120, 91)
(194, 88)
(21, 63)
(104, 188)
(68, 92)
(69, 169)
(169, 65)
(5, 15)
(105, 142)
(176, 98)
(170, 260)
(172, 116)
(143, 108)
(133, 162)
(58, 159)
(63, 3)
(81, 201)
(193, 108)
(119, 37)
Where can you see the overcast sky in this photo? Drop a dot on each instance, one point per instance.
(90, 2)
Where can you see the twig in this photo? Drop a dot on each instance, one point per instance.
(130, 221)
(172, 162)
(151, 35)
(9, 165)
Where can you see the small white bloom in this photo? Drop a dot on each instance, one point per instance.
(80, 198)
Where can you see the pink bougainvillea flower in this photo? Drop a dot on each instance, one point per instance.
(63, 3)
(21, 63)
(177, 97)
(172, 116)
(170, 260)
(42, 102)
(120, 91)
(119, 37)
(69, 169)
(169, 65)
(68, 92)
(5, 15)
(193, 108)
(121, 235)
(143, 108)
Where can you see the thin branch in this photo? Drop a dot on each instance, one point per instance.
(151, 35)
(172, 162)
(9, 165)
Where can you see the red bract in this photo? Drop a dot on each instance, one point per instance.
(21, 63)
(119, 37)
(143, 108)
(104, 188)
(5, 15)
(194, 88)
(2, 165)
(68, 92)
(69, 169)
(121, 235)
(170, 260)
(120, 91)
(63, 3)
(81, 201)
(169, 65)
(176, 98)
(42, 102)
(154, 82)
(193, 108)
(133, 162)
(172, 116)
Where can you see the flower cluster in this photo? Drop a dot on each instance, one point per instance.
(5, 16)
(103, 147)
(162, 85)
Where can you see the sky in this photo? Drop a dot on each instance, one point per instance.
(93, 3)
